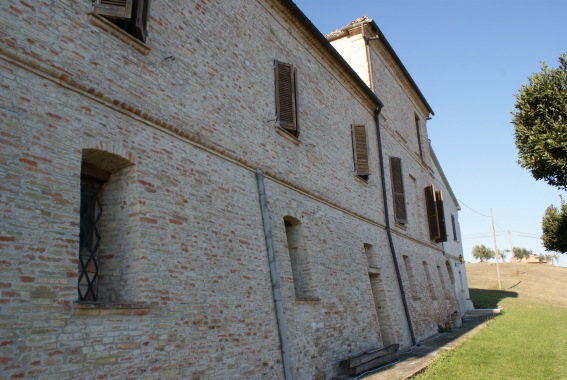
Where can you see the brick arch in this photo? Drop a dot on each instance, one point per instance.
(291, 219)
(294, 215)
(107, 157)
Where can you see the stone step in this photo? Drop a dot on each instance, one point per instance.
(481, 312)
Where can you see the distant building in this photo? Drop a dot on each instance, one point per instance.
(533, 259)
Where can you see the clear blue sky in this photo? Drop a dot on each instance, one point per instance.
(469, 58)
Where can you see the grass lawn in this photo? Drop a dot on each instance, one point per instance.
(527, 341)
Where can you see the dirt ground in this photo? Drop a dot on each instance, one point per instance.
(535, 282)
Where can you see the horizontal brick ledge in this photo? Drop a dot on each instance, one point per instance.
(65, 80)
(307, 300)
(93, 309)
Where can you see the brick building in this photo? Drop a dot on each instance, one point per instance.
(209, 190)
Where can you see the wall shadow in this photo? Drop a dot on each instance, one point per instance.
(489, 298)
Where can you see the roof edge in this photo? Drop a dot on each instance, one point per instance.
(303, 19)
(444, 178)
(339, 33)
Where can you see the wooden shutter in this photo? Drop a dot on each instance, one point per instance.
(440, 217)
(431, 213)
(360, 147)
(142, 11)
(119, 9)
(285, 96)
(454, 225)
(400, 214)
(296, 101)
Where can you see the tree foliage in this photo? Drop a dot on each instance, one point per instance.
(502, 254)
(482, 253)
(554, 227)
(540, 124)
(522, 253)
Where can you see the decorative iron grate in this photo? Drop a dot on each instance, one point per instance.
(89, 240)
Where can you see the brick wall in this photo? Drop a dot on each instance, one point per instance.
(184, 272)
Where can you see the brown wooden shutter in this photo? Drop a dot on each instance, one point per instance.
(285, 96)
(400, 214)
(360, 147)
(440, 217)
(119, 9)
(432, 213)
(142, 11)
(296, 102)
(454, 225)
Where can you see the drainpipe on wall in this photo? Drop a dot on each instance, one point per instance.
(387, 219)
(276, 287)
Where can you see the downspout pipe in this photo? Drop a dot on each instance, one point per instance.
(388, 228)
(276, 287)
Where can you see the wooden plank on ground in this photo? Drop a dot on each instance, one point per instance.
(374, 363)
(368, 356)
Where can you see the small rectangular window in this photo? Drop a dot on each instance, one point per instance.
(89, 237)
(454, 225)
(360, 151)
(429, 282)
(409, 270)
(129, 15)
(400, 214)
(286, 97)
(301, 270)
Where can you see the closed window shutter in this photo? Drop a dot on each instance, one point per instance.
(142, 10)
(432, 213)
(360, 146)
(285, 96)
(296, 101)
(400, 214)
(119, 9)
(440, 217)
(454, 225)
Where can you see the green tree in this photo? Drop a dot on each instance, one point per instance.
(554, 227)
(482, 253)
(502, 254)
(540, 124)
(522, 253)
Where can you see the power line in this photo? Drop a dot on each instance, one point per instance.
(486, 216)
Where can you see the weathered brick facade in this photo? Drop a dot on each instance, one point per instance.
(180, 124)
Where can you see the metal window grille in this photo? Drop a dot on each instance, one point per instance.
(89, 240)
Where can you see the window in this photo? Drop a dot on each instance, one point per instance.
(360, 151)
(450, 272)
(418, 136)
(370, 256)
(454, 225)
(129, 15)
(92, 180)
(287, 114)
(444, 289)
(435, 214)
(409, 270)
(429, 282)
(302, 281)
(103, 227)
(400, 215)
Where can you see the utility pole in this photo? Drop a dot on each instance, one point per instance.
(495, 251)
